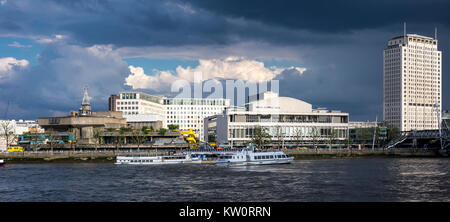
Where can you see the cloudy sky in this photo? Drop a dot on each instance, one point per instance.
(328, 53)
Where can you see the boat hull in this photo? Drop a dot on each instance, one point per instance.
(268, 162)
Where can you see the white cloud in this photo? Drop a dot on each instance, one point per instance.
(18, 45)
(47, 40)
(8, 65)
(65, 69)
(228, 68)
(2, 2)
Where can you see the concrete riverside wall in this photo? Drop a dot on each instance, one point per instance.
(346, 153)
(110, 156)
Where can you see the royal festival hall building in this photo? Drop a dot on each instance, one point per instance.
(287, 119)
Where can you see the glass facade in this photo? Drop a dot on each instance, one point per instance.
(290, 132)
(202, 102)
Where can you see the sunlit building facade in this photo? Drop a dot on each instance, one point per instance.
(412, 82)
(283, 118)
(187, 113)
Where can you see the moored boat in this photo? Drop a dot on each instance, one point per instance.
(247, 156)
(2, 162)
(250, 157)
(149, 160)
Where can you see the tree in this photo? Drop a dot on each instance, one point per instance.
(73, 143)
(117, 142)
(173, 127)
(34, 140)
(365, 134)
(332, 137)
(7, 132)
(315, 135)
(279, 135)
(348, 141)
(298, 135)
(138, 137)
(162, 131)
(97, 137)
(146, 129)
(260, 136)
(393, 132)
(52, 138)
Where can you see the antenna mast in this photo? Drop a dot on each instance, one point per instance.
(435, 33)
(404, 32)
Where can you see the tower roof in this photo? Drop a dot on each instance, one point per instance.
(86, 97)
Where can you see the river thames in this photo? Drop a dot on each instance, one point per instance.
(325, 180)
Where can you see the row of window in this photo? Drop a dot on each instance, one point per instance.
(127, 103)
(127, 108)
(218, 102)
(270, 157)
(194, 108)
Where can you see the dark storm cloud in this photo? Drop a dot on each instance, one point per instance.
(176, 22)
(180, 22)
(340, 42)
(332, 16)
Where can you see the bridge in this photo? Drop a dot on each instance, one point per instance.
(427, 139)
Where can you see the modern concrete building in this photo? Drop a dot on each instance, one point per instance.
(84, 124)
(188, 113)
(361, 124)
(412, 82)
(284, 118)
(141, 120)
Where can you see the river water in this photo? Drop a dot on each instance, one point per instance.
(326, 180)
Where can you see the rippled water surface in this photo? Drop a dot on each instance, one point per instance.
(381, 179)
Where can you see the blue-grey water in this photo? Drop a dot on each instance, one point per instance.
(378, 179)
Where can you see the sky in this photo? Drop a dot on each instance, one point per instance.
(327, 53)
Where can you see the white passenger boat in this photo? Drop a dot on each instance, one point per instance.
(250, 157)
(149, 160)
(247, 156)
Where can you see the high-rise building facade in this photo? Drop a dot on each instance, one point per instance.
(112, 102)
(412, 82)
(187, 113)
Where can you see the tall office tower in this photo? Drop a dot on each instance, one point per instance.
(112, 102)
(412, 82)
